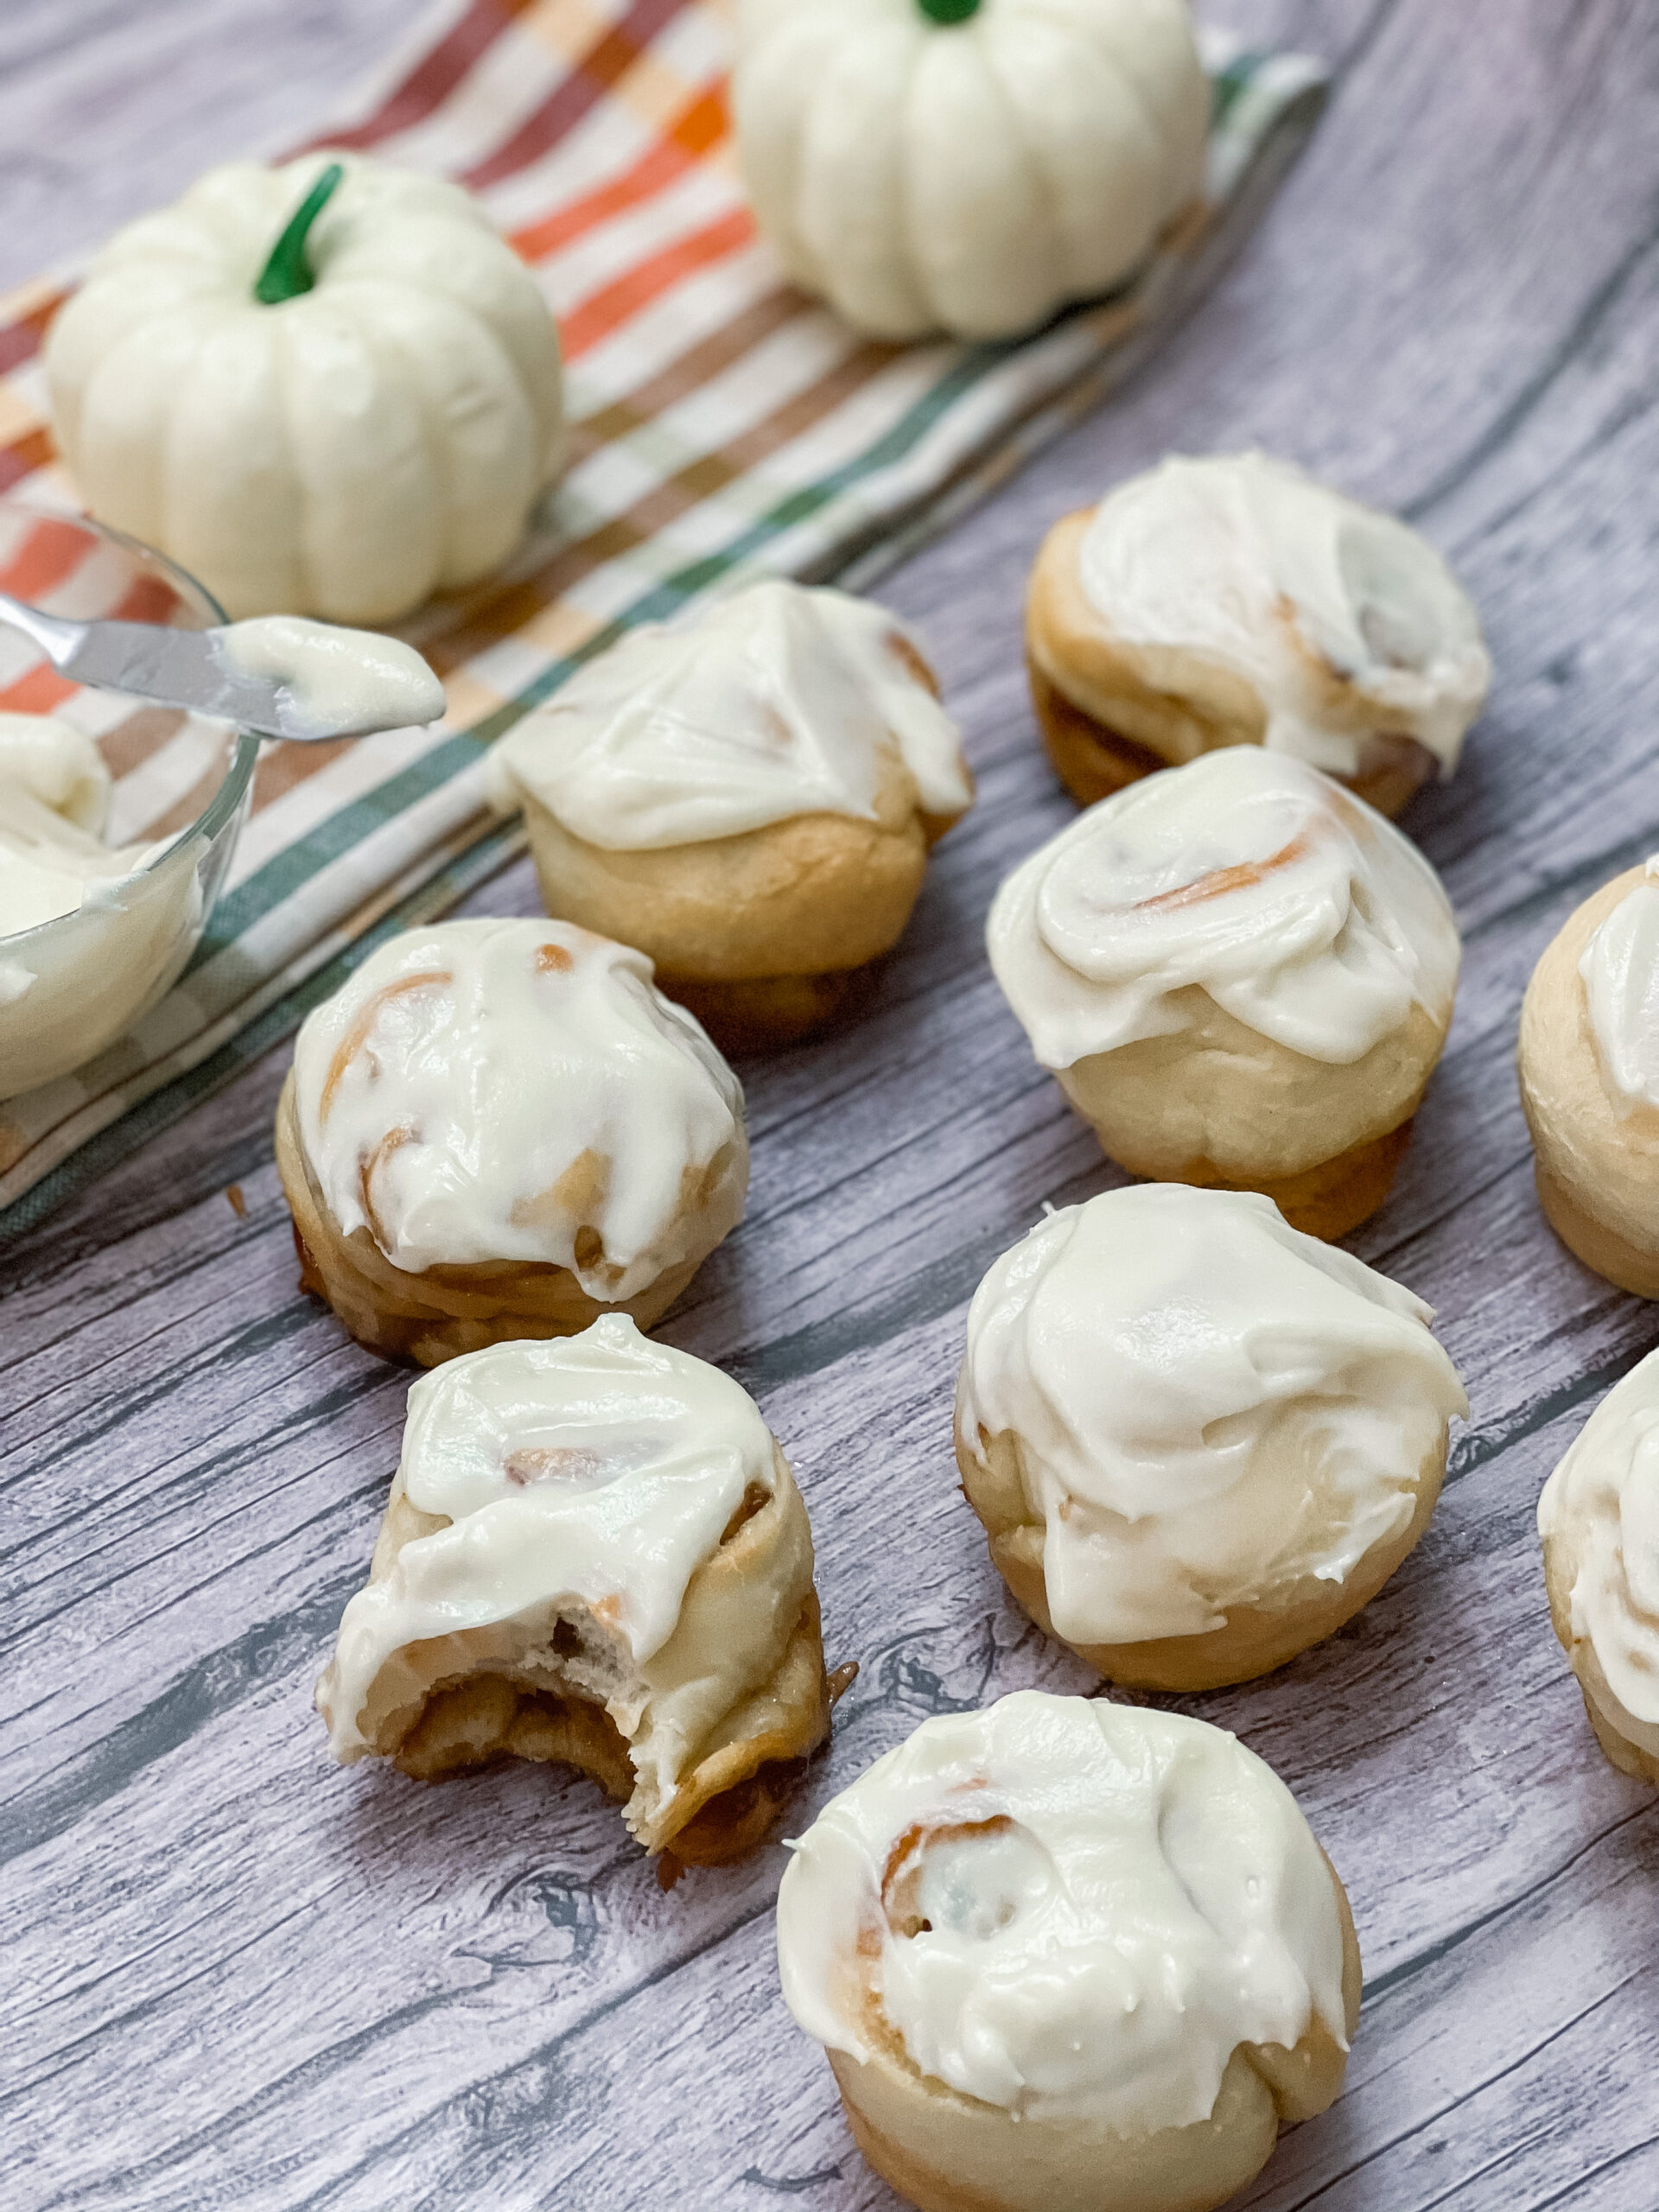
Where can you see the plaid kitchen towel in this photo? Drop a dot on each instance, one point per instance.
(724, 426)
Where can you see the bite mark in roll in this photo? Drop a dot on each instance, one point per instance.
(594, 1553)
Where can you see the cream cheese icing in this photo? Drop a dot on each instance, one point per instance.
(508, 1089)
(1209, 1406)
(1063, 1907)
(91, 934)
(56, 765)
(343, 682)
(777, 702)
(1605, 1497)
(1249, 561)
(1620, 968)
(1248, 874)
(583, 1480)
(55, 795)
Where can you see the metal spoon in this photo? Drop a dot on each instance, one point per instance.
(187, 669)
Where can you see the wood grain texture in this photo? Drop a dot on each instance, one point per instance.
(236, 1976)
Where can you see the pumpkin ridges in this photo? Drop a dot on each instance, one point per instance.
(322, 478)
(992, 233)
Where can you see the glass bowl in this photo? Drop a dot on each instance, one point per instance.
(70, 988)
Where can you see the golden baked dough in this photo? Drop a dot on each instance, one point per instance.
(946, 2152)
(747, 795)
(1221, 1106)
(1597, 1167)
(500, 1129)
(1601, 1706)
(1599, 1522)
(1255, 1639)
(1240, 977)
(1064, 1956)
(445, 1311)
(448, 1704)
(1184, 1520)
(767, 937)
(1111, 711)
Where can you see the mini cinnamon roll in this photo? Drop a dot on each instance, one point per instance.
(1588, 1060)
(1233, 601)
(499, 1128)
(749, 797)
(1599, 1520)
(593, 1553)
(1198, 1440)
(1241, 975)
(1069, 1956)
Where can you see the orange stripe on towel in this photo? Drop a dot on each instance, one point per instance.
(690, 135)
(37, 693)
(52, 551)
(24, 455)
(617, 303)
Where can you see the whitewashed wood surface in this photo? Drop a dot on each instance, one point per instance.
(233, 1976)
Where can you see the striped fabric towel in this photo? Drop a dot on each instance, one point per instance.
(724, 426)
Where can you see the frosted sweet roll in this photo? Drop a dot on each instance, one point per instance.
(1599, 1518)
(594, 1553)
(1589, 1068)
(1234, 600)
(1198, 1440)
(1241, 975)
(749, 797)
(1069, 1956)
(499, 1128)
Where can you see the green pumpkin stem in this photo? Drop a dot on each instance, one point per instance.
(288, 272)
(947, 11)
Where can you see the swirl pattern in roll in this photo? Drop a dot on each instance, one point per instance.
(500, 1129)
(594, 1552)
(1232, 600)
(1198, 1440)
(1062, 1952)
(1241, 975)
(749, 794)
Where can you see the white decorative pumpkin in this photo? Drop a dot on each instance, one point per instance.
(320, 398)
(966, 165)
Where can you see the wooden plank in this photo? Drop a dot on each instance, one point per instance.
(107, 111)
(236, 1975)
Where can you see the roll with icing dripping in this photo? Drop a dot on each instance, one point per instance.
(501, 1128)
(1588, 1059)
(1064, 1955)
(1598, 1521)
(1241, 975)
(1198, 1440)
(1234, 600)
(594, 1554)
(749, 795)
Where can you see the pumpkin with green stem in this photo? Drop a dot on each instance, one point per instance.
(329, 388)
(966, 166)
